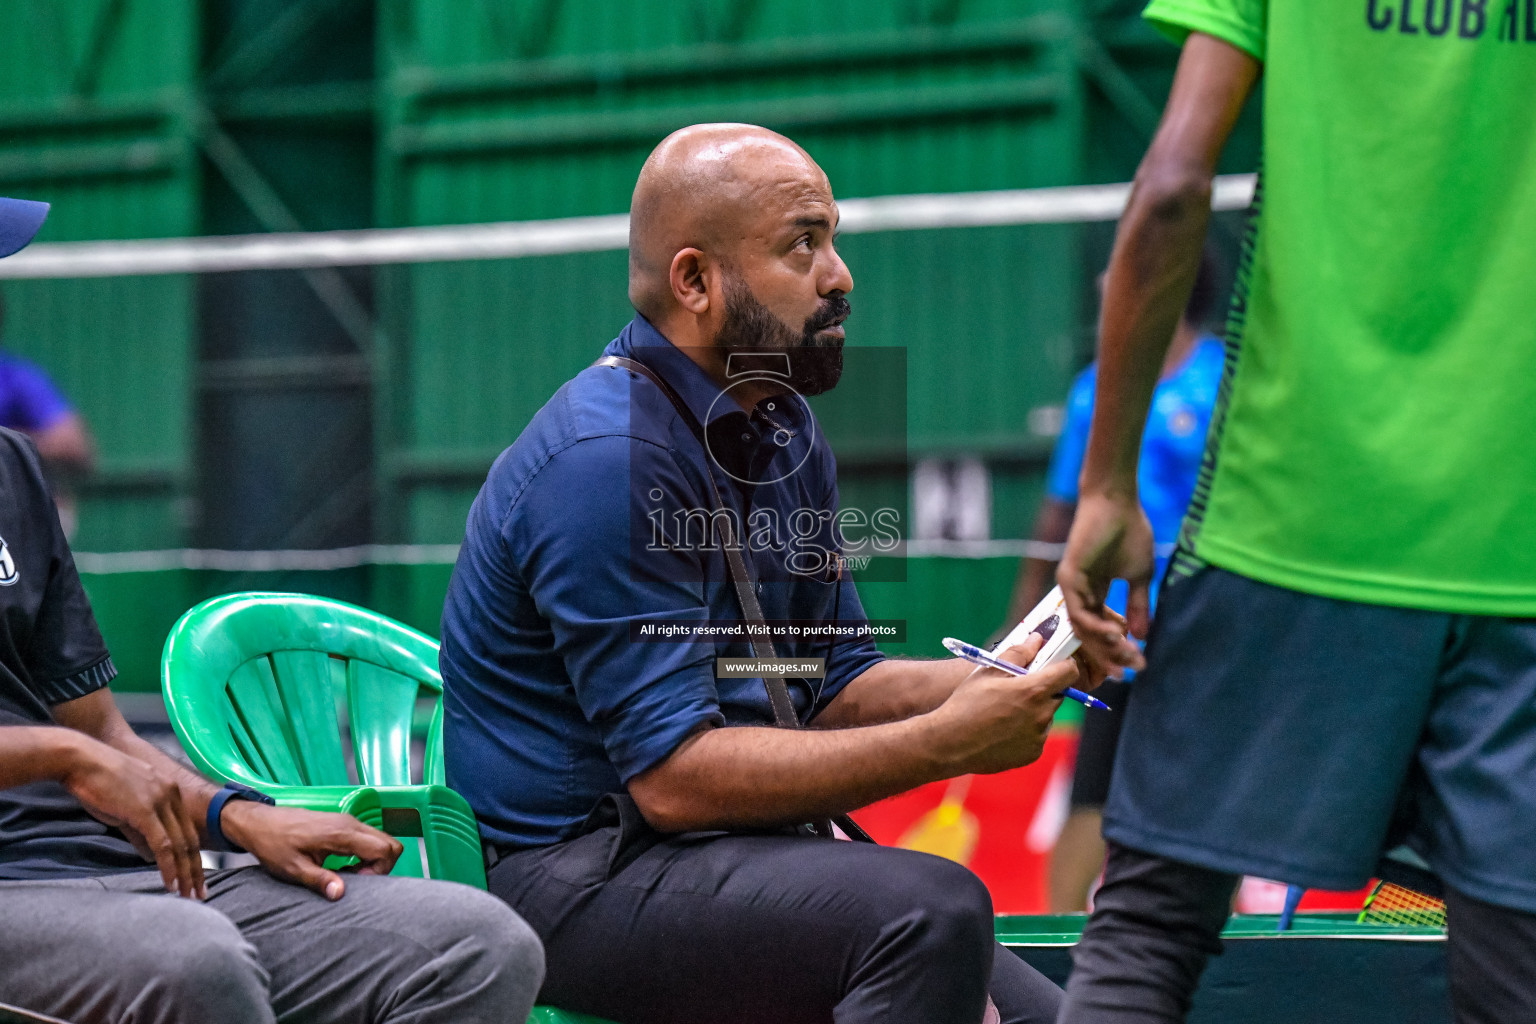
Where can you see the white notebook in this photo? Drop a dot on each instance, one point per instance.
(1049, 618)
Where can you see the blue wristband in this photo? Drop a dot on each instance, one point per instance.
(233, 791)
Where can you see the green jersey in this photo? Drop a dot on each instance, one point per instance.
(1375, 438)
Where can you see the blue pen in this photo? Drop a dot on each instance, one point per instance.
(972, 653)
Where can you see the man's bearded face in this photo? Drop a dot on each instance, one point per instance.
(815, 360)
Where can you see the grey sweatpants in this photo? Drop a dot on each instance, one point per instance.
(118, 949)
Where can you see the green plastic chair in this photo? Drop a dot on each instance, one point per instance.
(254, 684)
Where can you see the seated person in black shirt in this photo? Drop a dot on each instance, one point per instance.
(88, 933)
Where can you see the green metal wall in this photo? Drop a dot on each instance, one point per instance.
(253, 411)
(95, 116)
(890, 98)
(166, 117)
(285, 383)
(547, 109)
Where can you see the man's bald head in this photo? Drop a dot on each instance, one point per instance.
(705, 187)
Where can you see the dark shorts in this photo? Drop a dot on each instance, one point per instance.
(1295, 737)
(1096, 742)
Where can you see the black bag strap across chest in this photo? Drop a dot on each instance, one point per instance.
(745, 584)
(742, 579)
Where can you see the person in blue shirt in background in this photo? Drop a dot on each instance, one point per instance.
(31, 403)
(1171, 450)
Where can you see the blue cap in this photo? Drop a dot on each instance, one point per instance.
(19, 221)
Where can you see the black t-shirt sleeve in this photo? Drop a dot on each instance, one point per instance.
(65, 656)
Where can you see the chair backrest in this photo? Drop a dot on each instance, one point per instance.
(256, 685)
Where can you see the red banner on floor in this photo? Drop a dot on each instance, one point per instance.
(1003, 827)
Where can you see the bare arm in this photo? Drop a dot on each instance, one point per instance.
(96, 715)
(891, 691)
(1151, 271)
(902, 688)
(66, 444)
(1038, 575)
(761, 777)
(115, 788)
(291, 844)
(36, 753)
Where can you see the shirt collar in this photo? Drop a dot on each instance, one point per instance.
(640, 340)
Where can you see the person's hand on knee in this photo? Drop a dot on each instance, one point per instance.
(292, 843)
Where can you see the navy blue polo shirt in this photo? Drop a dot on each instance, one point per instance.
(591, 524)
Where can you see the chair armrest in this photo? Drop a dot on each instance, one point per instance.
(441, 836)
(550, 1015)
(310, 798)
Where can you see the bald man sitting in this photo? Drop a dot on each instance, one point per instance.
(645, 817)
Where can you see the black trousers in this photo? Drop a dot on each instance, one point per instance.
(720, 928)
(1156, 922)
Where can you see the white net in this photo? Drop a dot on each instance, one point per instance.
(514, 239)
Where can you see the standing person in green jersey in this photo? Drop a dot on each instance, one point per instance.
(1345, 650)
